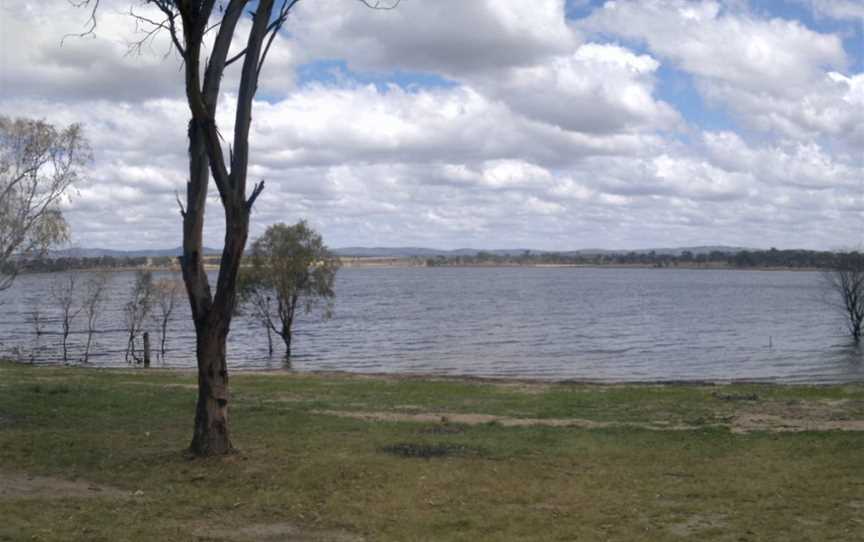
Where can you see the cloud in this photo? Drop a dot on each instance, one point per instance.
(451, 37)
(540, 137)
(836, 9)
(599, 88)
(774, 56)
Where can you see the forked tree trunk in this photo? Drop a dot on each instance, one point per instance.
(212, 313)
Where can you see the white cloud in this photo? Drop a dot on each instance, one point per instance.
(451, 37)
(542, 139)
(597, 89)
(836, 9)
(775, 56)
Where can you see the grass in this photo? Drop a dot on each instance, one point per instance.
(301, 474)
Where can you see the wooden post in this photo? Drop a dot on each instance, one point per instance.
(146, 350)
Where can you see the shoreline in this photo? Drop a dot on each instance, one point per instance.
(452, 378)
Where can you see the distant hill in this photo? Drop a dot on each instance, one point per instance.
(394, 252)
(405, 252)
(78, 252)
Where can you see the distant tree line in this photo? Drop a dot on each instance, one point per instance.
(773, 258)
(72, 263)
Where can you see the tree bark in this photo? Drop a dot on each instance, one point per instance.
(211, 436)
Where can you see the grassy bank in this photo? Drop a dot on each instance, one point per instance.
(97, 455)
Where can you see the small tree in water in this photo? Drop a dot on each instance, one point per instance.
(137, 310)
(291, 268)
(168, 292)
(845, 281)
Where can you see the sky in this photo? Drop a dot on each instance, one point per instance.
(545, 124)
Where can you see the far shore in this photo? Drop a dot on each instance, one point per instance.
(403, 263)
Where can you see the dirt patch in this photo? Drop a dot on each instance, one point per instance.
(698, 523)
(505, 421)
(749, 422)
(774, 417)
(796, 416)
(23, 486)
(286, 532)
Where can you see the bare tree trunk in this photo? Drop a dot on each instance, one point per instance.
(65, 338)
(87, 346)
(164, 336)
(286, 338)
(269, 340)
(211, 413)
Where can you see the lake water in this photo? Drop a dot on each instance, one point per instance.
(543, 323)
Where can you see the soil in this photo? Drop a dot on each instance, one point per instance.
(23, 486)
(285, 532)
(749, 415)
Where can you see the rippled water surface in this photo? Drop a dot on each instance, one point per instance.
(546, 323)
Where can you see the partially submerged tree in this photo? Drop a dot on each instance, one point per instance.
(188, 24)
(167, 292)
(291, 266)
(64, 294)
(94, 297)
(845, 283)
(137, 310)
(38, 165)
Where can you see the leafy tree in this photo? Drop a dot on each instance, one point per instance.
(291, 269)
(38, 165)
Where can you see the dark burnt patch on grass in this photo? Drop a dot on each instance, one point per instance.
(423, 450)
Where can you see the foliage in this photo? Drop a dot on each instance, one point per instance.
(38, 165)
(290, 268)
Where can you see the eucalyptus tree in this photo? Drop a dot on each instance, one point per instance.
(38, 164)
(189, 23)
(291, 269)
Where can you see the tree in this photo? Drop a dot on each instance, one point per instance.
(167, 293)
(38, 165)
(94, 296)
(845, 282)
(291, 265)
(63, 292)
(188, 23)
(136, 311)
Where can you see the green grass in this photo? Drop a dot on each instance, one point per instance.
(329, 477)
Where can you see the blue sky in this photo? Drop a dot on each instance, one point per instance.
(550, 124)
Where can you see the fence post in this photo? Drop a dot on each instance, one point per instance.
(146, 350)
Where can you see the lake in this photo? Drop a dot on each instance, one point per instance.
(596, 324)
